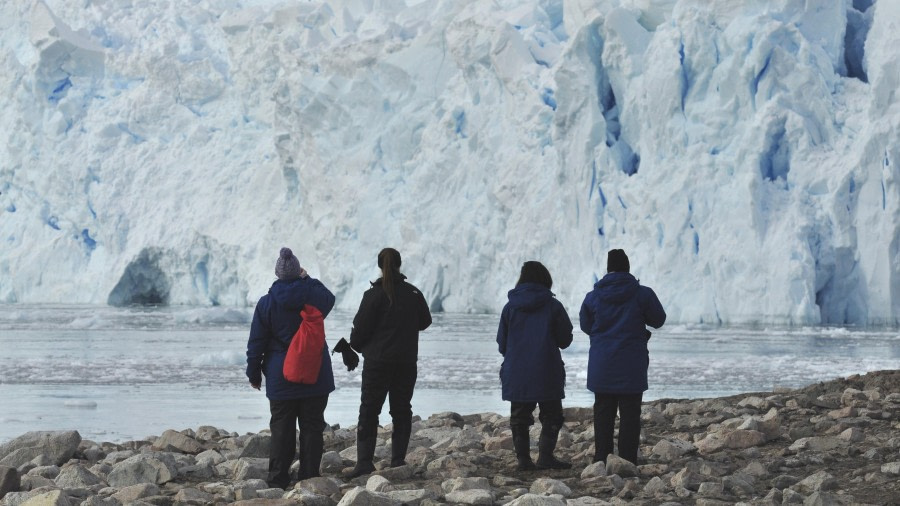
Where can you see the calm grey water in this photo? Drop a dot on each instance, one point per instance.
(116, 374)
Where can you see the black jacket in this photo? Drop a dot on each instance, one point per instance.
(387, 332)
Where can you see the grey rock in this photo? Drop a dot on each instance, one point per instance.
(892, 468)
(822, 499)
(331, 463)
(76, 476)
(47, 498)
(141, 468)
(58, 446)
(359, 496)
(411, 497)
(192, 495)
(320, 485)
(817, 444)
(173, 441)
(473, 496)
(620, 466)
(270, 493)
(378, 484)
(549, 486)
(594, 470)
(249, 468)
(686, 479)
(710, 489)
(396, 473)
(655, 486)
(459, 484)
(818, 481)
(587, 501)
(257, 446)
(671, 449)
(33, 481)
(134, 492)
(537, 500)
(96, 500)
(738, 484)
(9, 480)
(49, 472)
(210, 457)
(784, 481)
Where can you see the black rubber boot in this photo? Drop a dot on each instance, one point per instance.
(311, 446)
(400, 443)
(546, 445)
(522, 443)
(365, 455)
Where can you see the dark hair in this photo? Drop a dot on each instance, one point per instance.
(535, 272)
(389, 263)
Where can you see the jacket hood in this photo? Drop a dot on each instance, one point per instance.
(289, 294)
(529, 296)
(616, 287)
(400, 276)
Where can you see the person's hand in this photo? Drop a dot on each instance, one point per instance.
(349, 357)
(255, 385)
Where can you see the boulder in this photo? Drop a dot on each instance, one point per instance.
(257, 446)
(174, 441)
(460, 484)
(537, 500)
(671, 449)
(192, 495)
(618, 465)
(549, 486)
(57, 446)
(50, 498)
(9, 480)
(359, 496)
(594, 470)
(816, 482)
(76, 476)
(132, 493)
(473, 496)
(320, 485)
(141, 468)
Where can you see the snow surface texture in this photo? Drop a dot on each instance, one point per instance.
(744, 153)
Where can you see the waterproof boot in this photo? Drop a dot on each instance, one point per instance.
(399, 443)
(311, 446)
(365, 455)
(546, 445)
(522, 443)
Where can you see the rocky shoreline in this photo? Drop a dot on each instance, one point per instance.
(836, 442)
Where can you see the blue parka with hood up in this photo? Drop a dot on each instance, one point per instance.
(276, 319)
(533, 328)
(615, 315)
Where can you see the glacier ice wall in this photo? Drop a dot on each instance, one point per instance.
(744, 153)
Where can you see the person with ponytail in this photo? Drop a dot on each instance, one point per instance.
(386, 331)
(275, 320)
(533, 328)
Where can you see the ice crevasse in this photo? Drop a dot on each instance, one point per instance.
(744, 153)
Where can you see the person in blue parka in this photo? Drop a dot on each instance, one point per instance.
(615, 315)
(533, 328)
(276, 319)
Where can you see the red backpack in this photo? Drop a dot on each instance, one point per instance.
(304, 356)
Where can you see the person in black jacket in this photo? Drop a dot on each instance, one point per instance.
(386, 331)
(533, 328)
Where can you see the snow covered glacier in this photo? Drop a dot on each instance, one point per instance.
(743, 152)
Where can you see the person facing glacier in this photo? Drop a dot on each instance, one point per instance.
(615, 315)
(533, 328)
(275, 320)
(386, 331)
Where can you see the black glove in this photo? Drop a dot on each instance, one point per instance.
(350, 358)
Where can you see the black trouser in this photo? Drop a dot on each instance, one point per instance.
(629, 407)
(381, 380)
(309, 414)
(550, 415)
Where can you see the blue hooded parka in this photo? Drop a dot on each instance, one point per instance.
(533, 328)
(615, 315)
(276, 319)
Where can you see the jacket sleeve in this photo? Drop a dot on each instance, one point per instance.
(319, 296)
(562, 326)
(424, 312)
(502, 330)
(654, 315)
(256, 346)
(586, 316)
(365, 320)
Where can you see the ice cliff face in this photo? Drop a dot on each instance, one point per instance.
(744, 153)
